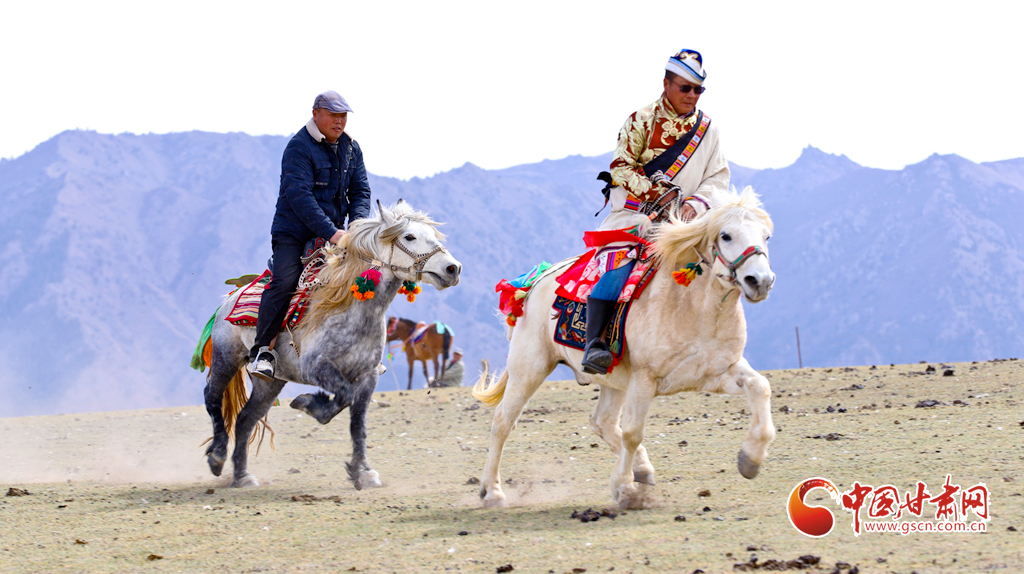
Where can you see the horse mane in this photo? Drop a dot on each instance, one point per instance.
(677, 241)
(365, 239)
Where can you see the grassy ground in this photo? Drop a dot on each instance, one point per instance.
(130, 492)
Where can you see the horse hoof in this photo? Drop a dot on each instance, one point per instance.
(319, 406)
(632, 500)
(244, 481)
(747, 467)
(216, 464)
(302, 402)
(644, 478)
(494, 498)
(370, 478)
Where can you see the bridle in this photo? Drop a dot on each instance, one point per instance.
(419, 261)
(750, 252)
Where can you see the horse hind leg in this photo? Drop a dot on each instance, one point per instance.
(520, 381)
(263, 395)
(218, 380)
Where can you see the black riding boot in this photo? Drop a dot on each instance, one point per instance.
(596, 357)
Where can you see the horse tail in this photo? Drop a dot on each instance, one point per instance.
(235, 397)
(491, 394)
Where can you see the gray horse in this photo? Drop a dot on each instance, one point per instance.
(339, 343)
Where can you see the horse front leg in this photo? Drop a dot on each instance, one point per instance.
(605, 424)
(639, 397)
(412, 363)
(359, 470)
(741, 379)
(263, 395)
(320, 405)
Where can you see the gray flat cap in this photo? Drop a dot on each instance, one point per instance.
(332, 102)
(457, 350)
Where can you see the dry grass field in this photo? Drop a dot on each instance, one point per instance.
(130, 491)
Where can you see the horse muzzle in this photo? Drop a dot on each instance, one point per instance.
(756, 284)
(448, 276)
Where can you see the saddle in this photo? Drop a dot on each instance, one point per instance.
(247, 306)
(418, 333)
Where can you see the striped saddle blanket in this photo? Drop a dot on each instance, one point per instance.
(247, 306)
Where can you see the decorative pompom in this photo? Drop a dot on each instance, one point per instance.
(687, 274)
(520, 294)
(366, 284)
(681, 277)
(410, 289)
(511, 320)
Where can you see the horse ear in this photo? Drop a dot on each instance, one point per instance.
(385, 214)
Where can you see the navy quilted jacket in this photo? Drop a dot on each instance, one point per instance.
(319, 188)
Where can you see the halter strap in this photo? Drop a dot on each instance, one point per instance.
(419, 261)
(750, 252)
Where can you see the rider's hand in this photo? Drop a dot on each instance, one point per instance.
(687, 212)
(337, 236)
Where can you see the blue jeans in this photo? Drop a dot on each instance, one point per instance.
(610, 285)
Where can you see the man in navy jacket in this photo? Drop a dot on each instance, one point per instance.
(323, 183)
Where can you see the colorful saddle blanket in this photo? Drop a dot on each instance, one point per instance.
(247, 306)
(609, 250)
(571, 330)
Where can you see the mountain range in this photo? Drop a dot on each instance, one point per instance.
(114, 250)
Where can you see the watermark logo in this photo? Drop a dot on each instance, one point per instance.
(816, 521)
(955, 509)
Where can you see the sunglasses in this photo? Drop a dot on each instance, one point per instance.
(685, 88)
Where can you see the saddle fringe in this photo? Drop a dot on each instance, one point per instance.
(490, 394)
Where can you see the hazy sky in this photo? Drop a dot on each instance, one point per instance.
(438, 84)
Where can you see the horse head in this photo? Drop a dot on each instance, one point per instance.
(408, 243)
(732, 238)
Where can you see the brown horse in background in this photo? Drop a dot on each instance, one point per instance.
(427, 348)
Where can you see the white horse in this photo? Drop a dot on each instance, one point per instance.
(678, 339)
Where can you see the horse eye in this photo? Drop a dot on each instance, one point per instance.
(726, 236)
(410, 237)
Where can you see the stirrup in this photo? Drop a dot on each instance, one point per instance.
(263, 367)
(596, 358)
